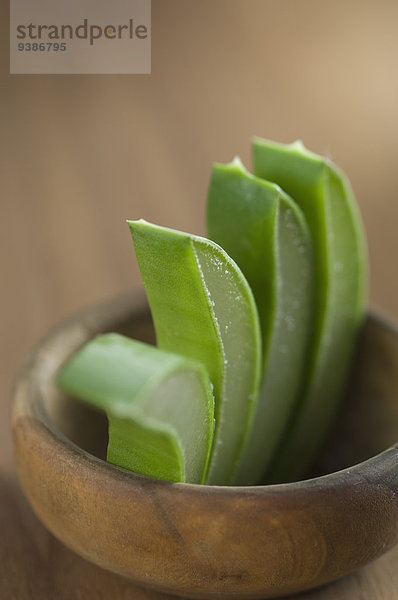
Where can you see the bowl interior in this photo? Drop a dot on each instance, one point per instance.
(366, 425)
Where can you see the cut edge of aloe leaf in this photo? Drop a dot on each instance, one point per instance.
(196, 292)
(248, 355)
(324, 194)
(248, 217)
(137, 386)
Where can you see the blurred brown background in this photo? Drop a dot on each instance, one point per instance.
(80, 154)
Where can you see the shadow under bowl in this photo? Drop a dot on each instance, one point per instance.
(209, 541)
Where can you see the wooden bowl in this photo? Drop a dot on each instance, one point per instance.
(207, 541)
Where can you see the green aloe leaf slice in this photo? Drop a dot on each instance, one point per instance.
(203, 308)
(265, 233)
(159, 405)
(327, 201)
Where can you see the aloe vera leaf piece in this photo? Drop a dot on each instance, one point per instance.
(265, 233)
(159, 405)
(203, 308)
(340, 261)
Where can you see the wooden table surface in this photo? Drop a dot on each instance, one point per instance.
(79, 155)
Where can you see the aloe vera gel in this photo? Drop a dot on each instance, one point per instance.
(256, 328)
